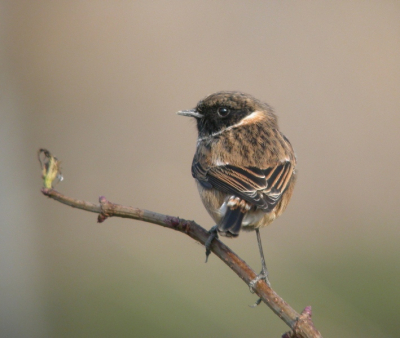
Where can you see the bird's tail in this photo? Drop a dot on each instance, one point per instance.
(231, 224)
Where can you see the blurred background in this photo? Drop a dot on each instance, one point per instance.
(98, 84)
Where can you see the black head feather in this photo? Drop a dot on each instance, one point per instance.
(224, 109)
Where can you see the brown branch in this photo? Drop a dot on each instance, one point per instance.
(301, 325)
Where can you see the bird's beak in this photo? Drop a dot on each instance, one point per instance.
(191, 113)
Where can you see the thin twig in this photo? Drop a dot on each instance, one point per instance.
(301, 325)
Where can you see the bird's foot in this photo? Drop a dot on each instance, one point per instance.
(213, 234)
(258, 302)
(262, 276)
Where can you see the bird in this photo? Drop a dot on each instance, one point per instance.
(244, 166)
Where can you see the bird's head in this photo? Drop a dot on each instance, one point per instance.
(228, 109)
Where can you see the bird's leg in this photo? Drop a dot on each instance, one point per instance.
(213, 234)
(264, 272)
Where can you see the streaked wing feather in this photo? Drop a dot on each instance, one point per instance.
(260, 187)
(201, 175)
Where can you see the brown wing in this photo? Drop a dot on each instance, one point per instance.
(260, 187)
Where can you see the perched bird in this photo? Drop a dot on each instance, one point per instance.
(244, 166)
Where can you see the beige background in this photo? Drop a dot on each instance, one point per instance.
(98, 84)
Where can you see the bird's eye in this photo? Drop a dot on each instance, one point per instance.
(223, 111)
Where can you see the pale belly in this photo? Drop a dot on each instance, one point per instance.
(215, 203)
